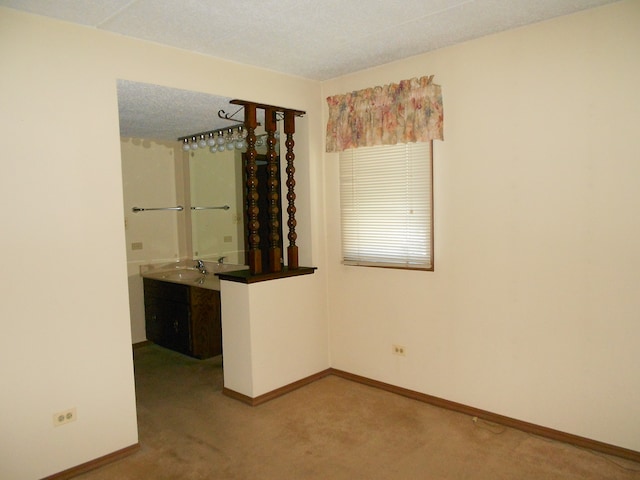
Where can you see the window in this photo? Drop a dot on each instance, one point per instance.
(387, 206)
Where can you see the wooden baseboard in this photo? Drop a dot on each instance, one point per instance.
(144, 343)
(277, 392)
(496, 418)
(238, 396)
(98, 462)
(521, 425)
(422, 397)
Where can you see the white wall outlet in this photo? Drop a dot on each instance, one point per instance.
(228, 238)
(64, 417)
(398, 350)
(136, 246)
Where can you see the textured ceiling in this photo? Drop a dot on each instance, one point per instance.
(316, 39)
(152, 111)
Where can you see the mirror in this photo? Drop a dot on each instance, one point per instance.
(158, 113)
(218, 180)
(215, 180)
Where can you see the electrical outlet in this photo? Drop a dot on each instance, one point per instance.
(398, 350)
(136, 246)
(228, 238)
(64, 417)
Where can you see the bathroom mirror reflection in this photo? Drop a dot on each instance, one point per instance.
(215, 180)
(159, 171)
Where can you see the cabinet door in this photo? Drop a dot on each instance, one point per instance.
(206, 326)
(168, 325)
(154, 323)
(167, 315)
(183, 318)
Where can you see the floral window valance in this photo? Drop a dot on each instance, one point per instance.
(409, 111)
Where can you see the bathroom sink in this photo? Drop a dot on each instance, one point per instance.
(183, 272)
(181, 275)
(186, 276)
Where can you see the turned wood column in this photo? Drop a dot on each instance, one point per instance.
(255, 255)
(273, 184)
(289, 130)
(273, 188)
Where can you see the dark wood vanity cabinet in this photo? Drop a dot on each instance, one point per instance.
(183, 318)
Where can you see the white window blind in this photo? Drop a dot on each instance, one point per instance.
(386, 205)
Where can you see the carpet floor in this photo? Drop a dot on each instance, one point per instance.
(331, 429)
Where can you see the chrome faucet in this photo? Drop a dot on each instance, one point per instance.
(200, 266)
(221, 260)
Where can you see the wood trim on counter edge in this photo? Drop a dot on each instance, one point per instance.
(98, 462)
(521, 425)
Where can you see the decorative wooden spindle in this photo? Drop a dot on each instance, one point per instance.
(273, 189)
(289, 130)
(255, 254)
(253, 225)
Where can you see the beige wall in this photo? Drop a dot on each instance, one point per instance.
(533, 309)
(151, 177)
(66, 338)
(149, 180)
(273, 333)
(216, 180)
